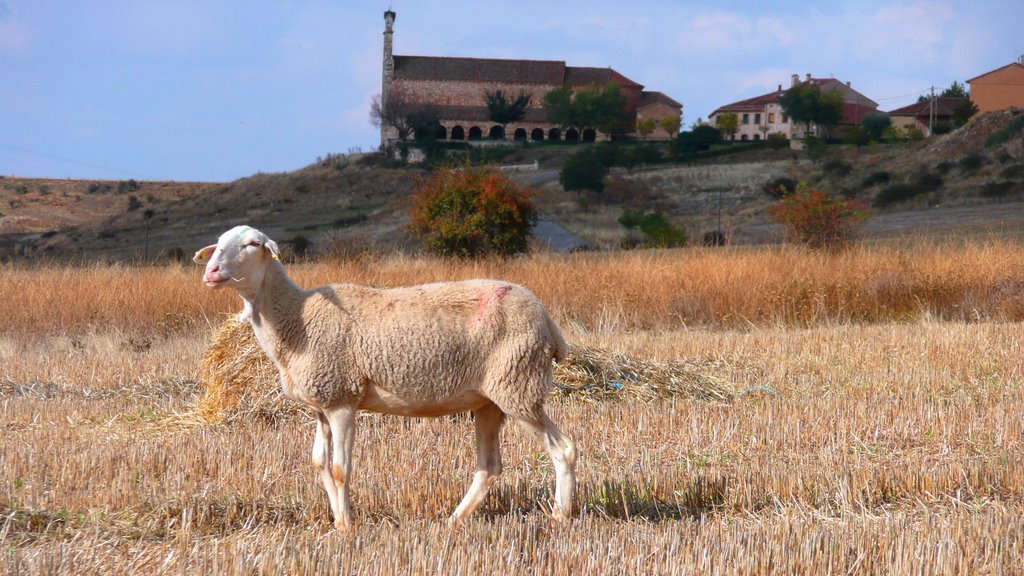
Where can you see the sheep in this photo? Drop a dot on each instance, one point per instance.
(484, 346)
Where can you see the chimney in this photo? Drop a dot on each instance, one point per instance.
(808, 76)
(796, 79)
(780, 87)
(1021, 59)
(848, 85)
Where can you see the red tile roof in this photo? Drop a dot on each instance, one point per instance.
(648, 98)
(552, 72)
(944, 106)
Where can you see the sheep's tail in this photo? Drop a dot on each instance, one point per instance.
(561, 347)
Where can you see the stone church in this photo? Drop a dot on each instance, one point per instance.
(455, 87)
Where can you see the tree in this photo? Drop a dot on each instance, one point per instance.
(558, 105)
(808, 105)
(706, 135)
(583, 171)
(727, 124)
(603, 108)
(473, 211)
(419, 120)
(645, 126)
(671, 125)
(963, 112)
(876, 124)
(503, 110)
(955, 90)
(813, 218)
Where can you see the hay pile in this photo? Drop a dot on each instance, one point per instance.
(595, 374)
(241, 382)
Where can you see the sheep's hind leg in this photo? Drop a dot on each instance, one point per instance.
(562, 450)
(488, 420)
(342, 422)
(322, 458)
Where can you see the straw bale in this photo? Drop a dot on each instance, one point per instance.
(241, 382)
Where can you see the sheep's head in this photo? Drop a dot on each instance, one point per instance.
(238, 259)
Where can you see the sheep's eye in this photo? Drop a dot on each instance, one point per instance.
(253, 243)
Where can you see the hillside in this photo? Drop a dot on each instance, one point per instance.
(966, 182)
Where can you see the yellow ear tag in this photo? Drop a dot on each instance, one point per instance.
(274, 256)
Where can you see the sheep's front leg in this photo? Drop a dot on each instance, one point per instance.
(488, 422)
(342, 422)
(322, 458)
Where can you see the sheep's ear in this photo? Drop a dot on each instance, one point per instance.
(203, 256)
(271, 246)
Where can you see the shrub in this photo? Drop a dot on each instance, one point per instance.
(876, 124)
(999, 189)
(893, 134)
(300, 245)
(857, 136)
(815, 148)
(777, 141)
(134, 203)
(779, 187)
(944, 167)
(472, 211)
(583, 171)
(714, 238)
(836, 167)
(659, 231)
(1012, 172)
(972, 162)
(941, 128)
(926, 182)
(814, 218)
(880, 177)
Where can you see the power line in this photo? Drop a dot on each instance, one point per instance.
(69, 160)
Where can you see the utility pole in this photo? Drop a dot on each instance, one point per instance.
(931, 112)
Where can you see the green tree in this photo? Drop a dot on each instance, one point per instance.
(876, 124)
(472, 211)
(660, 232)
(963, 112)
(671, 125)
(503, 110)
(807, 104)
(583, 171)
(603, 108)
(558, 105)
(955, 90)
(645, 126)
(706, 135)
(728, 123)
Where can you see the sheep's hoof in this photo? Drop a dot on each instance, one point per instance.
(560, 516)
(454, 522)
(343, 527)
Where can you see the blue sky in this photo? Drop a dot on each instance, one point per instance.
(216, 90)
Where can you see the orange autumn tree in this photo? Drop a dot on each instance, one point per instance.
(472, 211)
(816, 219)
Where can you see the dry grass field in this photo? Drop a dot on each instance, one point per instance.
(894, 444)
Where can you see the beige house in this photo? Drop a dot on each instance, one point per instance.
(999, 89)
(762, 115)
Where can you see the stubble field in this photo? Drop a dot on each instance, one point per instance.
(894, 443)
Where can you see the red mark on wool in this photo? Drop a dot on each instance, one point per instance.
(486, 299)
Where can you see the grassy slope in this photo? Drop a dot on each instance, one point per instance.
(354, 199)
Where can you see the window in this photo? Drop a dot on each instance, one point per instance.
(757, 119)
(771, 117)
(785, 119)
(746, 118)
